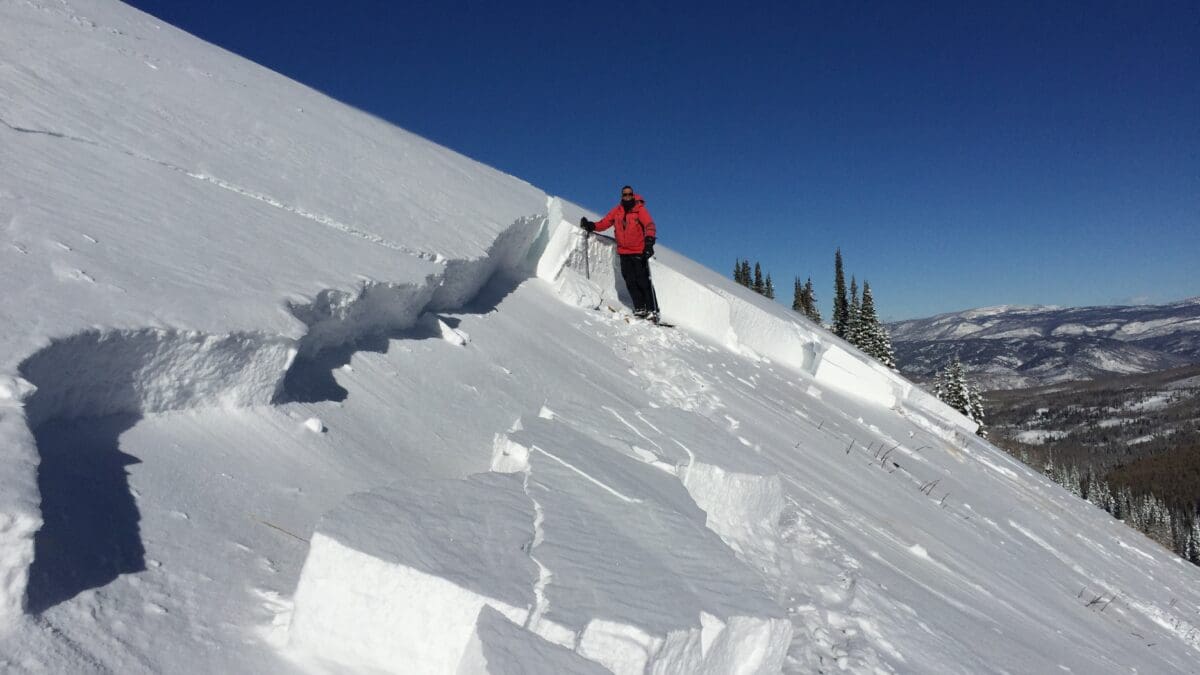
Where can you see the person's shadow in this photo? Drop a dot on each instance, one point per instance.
(90, 534)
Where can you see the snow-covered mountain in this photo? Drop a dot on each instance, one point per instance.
(284, 388)
(1013, 347)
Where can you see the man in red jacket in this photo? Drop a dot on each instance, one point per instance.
(635, 244)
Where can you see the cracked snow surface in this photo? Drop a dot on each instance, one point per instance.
(260, 361)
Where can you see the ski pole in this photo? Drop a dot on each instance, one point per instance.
(587, 244)
(653, 293)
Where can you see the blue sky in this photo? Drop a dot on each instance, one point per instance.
(961, 154)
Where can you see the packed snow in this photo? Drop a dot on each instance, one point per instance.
(286, 389)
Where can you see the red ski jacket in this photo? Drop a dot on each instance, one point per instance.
(632, 227)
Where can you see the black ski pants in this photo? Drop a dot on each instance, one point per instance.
(635, 269)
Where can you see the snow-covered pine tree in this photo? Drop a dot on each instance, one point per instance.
(952, 387)
(737, 270)
(873, 337)
(885, 352)
(976, 410)
(797, 296)
(841, 304)
(810, 302)
(854, 328)
(769, 287)
(757, 287)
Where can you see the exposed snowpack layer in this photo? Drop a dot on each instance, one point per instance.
(281, 382)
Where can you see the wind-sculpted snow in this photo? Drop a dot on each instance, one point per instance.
(99, 373)
(20, 516)
(280, 307)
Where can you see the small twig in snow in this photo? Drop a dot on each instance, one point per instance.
(276, 527)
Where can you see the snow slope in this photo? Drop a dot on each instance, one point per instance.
(285, 388)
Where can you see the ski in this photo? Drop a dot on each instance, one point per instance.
(629, 318)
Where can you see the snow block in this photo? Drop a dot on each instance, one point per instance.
(99, 373)
(632, 570)
(508, 457)
(335, 317)
(20, 515)
(395, 578)
(744, 509)
(501, 647)
(582, 269)
(851, 372)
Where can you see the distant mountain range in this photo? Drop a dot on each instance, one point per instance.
(1012, 347)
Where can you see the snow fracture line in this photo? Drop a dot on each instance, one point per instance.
(266, 199)
(541, 603)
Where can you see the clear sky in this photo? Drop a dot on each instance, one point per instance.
(961, 154)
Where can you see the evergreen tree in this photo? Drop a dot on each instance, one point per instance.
(798, 297)
(873, 337)
(769, 288)
(975, 405)
(810, 302)
(884, 351)
(741, 272)
(854, 328)
(841, 304)
(952, 387)
(758, 279)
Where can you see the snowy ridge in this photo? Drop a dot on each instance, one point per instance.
(1015, 347)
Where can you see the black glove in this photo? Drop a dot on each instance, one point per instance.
(587, 224)
(648, 252)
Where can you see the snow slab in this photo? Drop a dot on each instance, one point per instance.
(209, 254)
(635, 596)
(501, 647)
(387, 565)
(527, 544)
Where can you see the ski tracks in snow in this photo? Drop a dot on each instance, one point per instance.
(833, 621)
